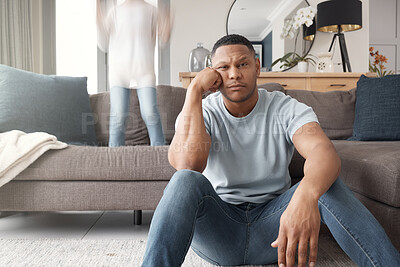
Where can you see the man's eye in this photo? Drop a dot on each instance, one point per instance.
(223, 67)
(243, 65)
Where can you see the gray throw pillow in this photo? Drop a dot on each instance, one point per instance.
(56, 105)
(334, 109)
(377, 109)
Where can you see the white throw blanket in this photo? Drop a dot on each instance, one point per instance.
(18, 150)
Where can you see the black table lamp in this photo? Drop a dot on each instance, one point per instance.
(309, 32)
(340, 16)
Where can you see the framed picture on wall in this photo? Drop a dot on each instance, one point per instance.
(258, 49)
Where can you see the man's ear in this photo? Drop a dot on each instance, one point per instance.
(258, 66)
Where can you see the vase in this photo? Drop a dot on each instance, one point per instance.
(198, 58)
(324, 62)
(302, 66)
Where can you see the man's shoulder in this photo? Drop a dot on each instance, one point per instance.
(272, 97)
(211, 100)
(265, 93)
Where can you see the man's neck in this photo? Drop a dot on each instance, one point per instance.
(241, 109)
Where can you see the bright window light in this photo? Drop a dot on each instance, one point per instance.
(76, 40)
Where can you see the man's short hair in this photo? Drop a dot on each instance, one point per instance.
(233, 39)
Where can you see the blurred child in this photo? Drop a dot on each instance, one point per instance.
(128, 34)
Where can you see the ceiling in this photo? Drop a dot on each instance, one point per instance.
(253, 18)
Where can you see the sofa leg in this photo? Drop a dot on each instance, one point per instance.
(137, 217)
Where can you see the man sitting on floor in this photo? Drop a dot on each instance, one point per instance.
(231, 200)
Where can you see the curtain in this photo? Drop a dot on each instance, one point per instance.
(16, 34)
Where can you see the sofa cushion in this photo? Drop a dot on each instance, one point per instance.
(87, 163)
(135, 132)
(371, 169)
(270, 87)
(170, 101)
(377, 112)
(57, 105)
(334, 109)
(296, 166)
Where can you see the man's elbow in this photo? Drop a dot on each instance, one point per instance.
(185, 163)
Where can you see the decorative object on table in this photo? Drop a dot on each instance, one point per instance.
(303, 19)
(302, 66)
(304, 16)
(292, 59)
(207, 61)
(377, 66)
(324, 62)
(337, 17)
(198, 58)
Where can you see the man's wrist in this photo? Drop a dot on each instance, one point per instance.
(195, 88)
(305, 190)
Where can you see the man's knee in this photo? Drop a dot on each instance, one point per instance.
(188, 178)
(187, 182)
(339, 194)
(339, 188)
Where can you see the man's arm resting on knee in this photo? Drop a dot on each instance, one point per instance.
(300, 223)
(191, 143)
(322, 165)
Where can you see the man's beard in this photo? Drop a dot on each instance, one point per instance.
(240, 100)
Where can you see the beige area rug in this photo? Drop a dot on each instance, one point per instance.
(73, 252)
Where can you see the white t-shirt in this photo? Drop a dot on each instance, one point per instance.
(249, 156)
(128, 35)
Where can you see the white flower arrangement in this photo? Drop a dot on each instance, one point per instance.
(304, 15)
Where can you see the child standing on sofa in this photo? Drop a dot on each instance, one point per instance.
(128, 35)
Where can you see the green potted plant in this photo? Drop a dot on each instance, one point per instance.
(292, 59)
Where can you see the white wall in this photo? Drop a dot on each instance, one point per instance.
(385, 31)
(205, 21)
(195, 21)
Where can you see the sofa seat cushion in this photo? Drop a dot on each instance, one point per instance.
(77, 163)
(371, 169)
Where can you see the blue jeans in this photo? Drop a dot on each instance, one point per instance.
(119, 111)
(190, 213)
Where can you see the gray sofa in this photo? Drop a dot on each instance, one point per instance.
(133, 177)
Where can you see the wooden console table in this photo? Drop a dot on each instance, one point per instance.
(313, 81)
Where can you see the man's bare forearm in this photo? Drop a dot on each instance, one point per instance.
(191, 144)
(321, 169)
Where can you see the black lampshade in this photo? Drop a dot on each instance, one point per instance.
(309, 32)
(344, 13)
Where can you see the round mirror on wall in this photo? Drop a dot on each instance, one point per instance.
(268, 25)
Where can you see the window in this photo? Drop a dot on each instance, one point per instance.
(76, 40)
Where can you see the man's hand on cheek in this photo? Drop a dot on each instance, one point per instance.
(208, 80)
